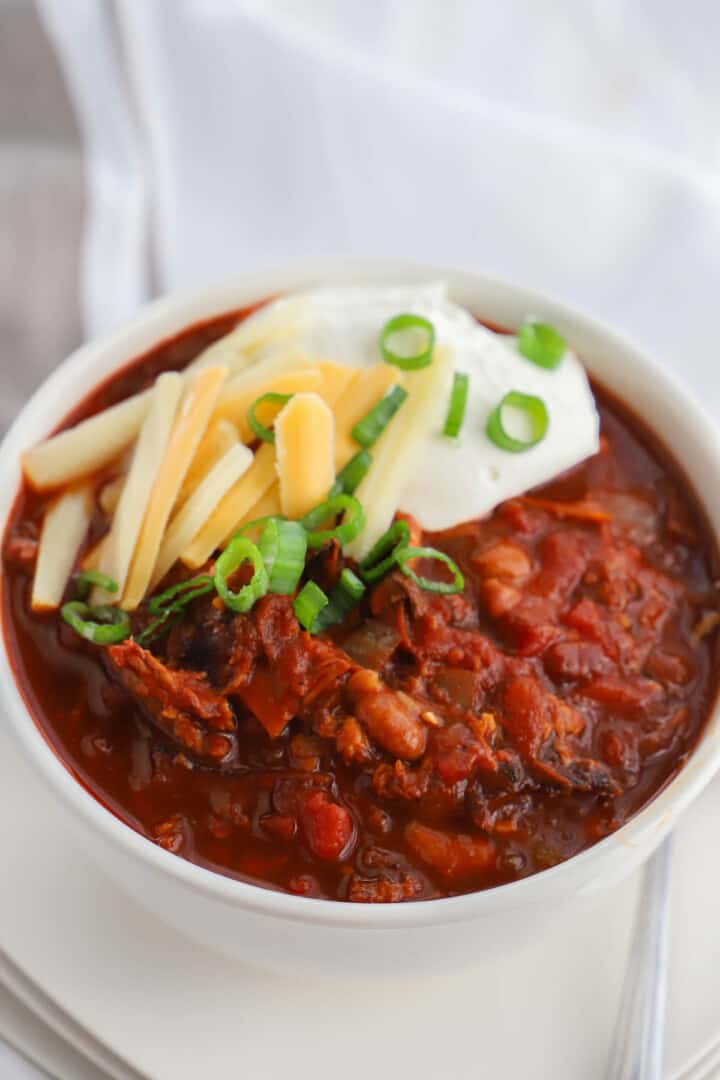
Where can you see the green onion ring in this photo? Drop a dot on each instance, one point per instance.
(86, 579)
(283, 545)
(403, 556)
(308, 603)
(343, 598)
(458, 403)
(258, 429)
(238, 551)
(258, 523)
(351, 474)
(407, 322)
(368, 430)
(103, 625)
(352, 524)
(536, 412)
(377, 561)
(541, 343)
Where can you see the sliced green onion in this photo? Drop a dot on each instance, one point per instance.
(352, 524)
(368, 430)
(458, 402)
(86, 579)
(178, 596)
(308, 603)
(349, 477)
(404, 555)
(169, 605)
(536, 414)
(283, 545)
(238, 551)
(381, 556)
(541, 343)
(408, 325)
(103, 625)
(343, 598)
(258, 429)
(159, 626)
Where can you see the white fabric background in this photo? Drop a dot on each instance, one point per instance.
(571, 146)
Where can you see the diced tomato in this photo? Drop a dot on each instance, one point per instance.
(588, 619)
(619, 748)
(533, 624)
(328, 826)
(457, 751)
(21, 550)
(563, 557)
(526, 715)
(575, 660)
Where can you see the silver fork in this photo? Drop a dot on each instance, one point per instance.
(638, 1047)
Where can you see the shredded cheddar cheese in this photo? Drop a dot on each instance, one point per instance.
(189, 428)
(304, 442)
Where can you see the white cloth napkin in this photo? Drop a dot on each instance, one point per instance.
(570, 146)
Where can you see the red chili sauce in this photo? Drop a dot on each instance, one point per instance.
(432, 745)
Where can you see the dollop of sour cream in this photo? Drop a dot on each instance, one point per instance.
(455, 480)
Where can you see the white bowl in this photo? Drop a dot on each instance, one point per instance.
(280, 931)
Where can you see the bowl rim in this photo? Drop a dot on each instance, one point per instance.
(164, 317)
